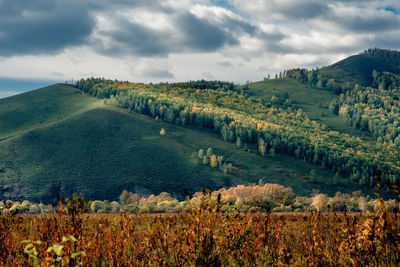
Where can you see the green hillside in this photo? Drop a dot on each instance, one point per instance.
(40, 107)
(359, 68)
(101, 151)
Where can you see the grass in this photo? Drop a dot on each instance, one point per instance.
(202, 237)
(39, 107)
(312, 100)
(359, 68)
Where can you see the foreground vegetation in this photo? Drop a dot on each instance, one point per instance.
(203, 236)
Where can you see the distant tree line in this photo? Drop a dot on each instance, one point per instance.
(393, 55)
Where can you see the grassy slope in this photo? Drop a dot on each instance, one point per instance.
(358, 69)
(40, 107)
(312, 100)
(101, 151)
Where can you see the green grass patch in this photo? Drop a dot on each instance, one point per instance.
(39, 107)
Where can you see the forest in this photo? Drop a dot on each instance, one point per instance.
(237, 117)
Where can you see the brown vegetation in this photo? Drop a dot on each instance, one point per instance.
(203, 236)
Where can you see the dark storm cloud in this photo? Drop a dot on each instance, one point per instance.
(302, 9)
(49, 26)
(31, 27)
(200, 35)
(189, 34)
(42, 26)
(134, 39)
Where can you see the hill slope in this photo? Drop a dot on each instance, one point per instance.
(40, 107)
(359, 68)
(100, 151)
(103, 151)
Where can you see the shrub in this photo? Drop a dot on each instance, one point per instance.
(319, 202)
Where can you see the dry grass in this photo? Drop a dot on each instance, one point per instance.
(203, 237)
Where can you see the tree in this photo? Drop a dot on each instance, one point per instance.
(201, 154)
(213, 161)
(362, 204)
(205, 160)
(238, 142)
(162, 132)
(319, 202)
(123, 198)
(209, 152)
(229, 168)
(220, 161)
(77, 205)
(261, 146)
(272, 152)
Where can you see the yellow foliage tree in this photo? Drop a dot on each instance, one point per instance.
(213, 161)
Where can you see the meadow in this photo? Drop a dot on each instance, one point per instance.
(203, 236)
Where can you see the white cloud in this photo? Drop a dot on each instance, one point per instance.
(192, 39)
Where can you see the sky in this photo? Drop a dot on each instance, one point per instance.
(46, 41)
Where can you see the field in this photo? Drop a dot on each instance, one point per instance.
(202, 237)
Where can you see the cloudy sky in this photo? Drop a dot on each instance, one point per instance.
(42, 41)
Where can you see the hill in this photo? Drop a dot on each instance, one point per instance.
(101, 151)
(40, 107)
(359, 68)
